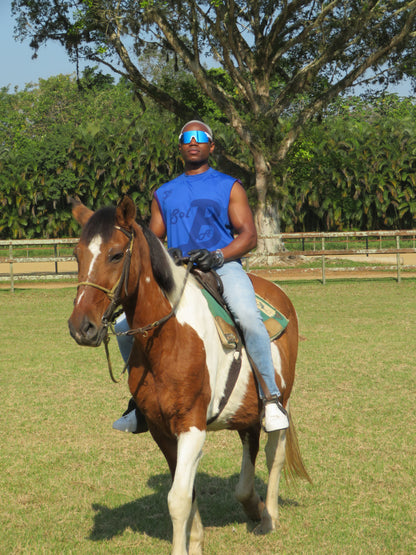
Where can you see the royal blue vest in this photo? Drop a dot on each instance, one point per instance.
(195, 210)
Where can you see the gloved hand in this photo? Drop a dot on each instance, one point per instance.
(206, 260)
(202, 258)
(176, 255)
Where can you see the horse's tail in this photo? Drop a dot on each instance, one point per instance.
(294, 465)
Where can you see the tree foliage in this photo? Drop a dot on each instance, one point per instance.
(285, 58)
(59, 139)
(352, 169)
(355, 169)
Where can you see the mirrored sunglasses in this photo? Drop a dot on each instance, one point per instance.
(200, 137)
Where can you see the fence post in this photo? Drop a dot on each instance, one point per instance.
(398, 259)
(11, 268)
(323, 262)
(55, 251)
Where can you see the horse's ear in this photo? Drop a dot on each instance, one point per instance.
(126, 212)
(80, 212)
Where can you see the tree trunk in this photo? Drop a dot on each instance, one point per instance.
(266, 217)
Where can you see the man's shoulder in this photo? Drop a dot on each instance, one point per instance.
(211, 174)
(178, 179)
(222, 177)
(172, 183)
(220, 174)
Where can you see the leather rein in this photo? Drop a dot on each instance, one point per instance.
(114, 295)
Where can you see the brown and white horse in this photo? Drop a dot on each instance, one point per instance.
(178, 366)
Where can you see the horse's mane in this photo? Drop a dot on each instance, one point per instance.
(162, 270)
(102, 222)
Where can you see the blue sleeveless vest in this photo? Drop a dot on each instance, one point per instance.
(195, 210)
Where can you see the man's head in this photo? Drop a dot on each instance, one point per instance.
(196, 144)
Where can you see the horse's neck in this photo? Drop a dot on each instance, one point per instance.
(149, 304)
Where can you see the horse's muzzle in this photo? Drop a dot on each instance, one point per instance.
(86, 332)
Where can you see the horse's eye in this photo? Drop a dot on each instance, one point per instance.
(116, 257)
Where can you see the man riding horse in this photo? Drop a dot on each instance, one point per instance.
(200, 212)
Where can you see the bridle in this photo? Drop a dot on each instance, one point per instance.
(114, 294)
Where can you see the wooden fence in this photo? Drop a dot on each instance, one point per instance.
(327, 244)
(44, 265)
(51, 259)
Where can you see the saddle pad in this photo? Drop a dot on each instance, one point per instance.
(274, 321)
(223, 321)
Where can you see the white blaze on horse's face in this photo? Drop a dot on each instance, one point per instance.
(95, 249)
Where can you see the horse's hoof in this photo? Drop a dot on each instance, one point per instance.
(195, 548)
(254, 510)
(265, 527)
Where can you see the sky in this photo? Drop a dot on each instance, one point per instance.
(19, 69)
(16, 66)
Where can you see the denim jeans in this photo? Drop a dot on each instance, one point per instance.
(241, 301)
(125, 342)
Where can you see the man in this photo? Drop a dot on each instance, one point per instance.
(199, 212)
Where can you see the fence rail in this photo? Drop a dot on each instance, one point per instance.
(16, 247)
(321, 245)
(297, 244)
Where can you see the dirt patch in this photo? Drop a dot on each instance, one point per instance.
(297, 274)
(289, 271)
(290, 268)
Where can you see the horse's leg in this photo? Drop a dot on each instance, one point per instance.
(252, 504)
(193, 525)
(275, 457)
(182, 508)
(196, 530)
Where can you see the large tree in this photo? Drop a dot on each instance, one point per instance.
(285, 60)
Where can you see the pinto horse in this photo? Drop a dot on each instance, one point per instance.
(178, 366)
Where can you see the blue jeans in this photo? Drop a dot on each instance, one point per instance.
(241, 301)
(125, 342)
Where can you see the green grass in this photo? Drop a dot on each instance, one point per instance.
(71, 484)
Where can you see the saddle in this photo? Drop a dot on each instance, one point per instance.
(212, 289)
(230, 335)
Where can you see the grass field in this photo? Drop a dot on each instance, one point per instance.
(71, 484)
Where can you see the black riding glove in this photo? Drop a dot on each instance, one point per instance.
(205, 260)
(176, 255)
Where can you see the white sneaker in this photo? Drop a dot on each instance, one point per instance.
(275, 417)
(127, 423)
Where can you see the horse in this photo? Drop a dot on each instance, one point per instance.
(178, 366)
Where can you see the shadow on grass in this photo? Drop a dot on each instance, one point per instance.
(149, 515)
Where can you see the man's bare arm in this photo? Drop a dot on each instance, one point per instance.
(157, 225)
(241, 218)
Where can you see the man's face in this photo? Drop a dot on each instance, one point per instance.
(193, 152)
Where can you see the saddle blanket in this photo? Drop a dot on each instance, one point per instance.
(274, 320)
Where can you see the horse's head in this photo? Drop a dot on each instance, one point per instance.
(103, 254)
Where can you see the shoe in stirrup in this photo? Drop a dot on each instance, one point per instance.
(127, 423)
(275, 416)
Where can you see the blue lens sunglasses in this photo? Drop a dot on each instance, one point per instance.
(200, 137)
